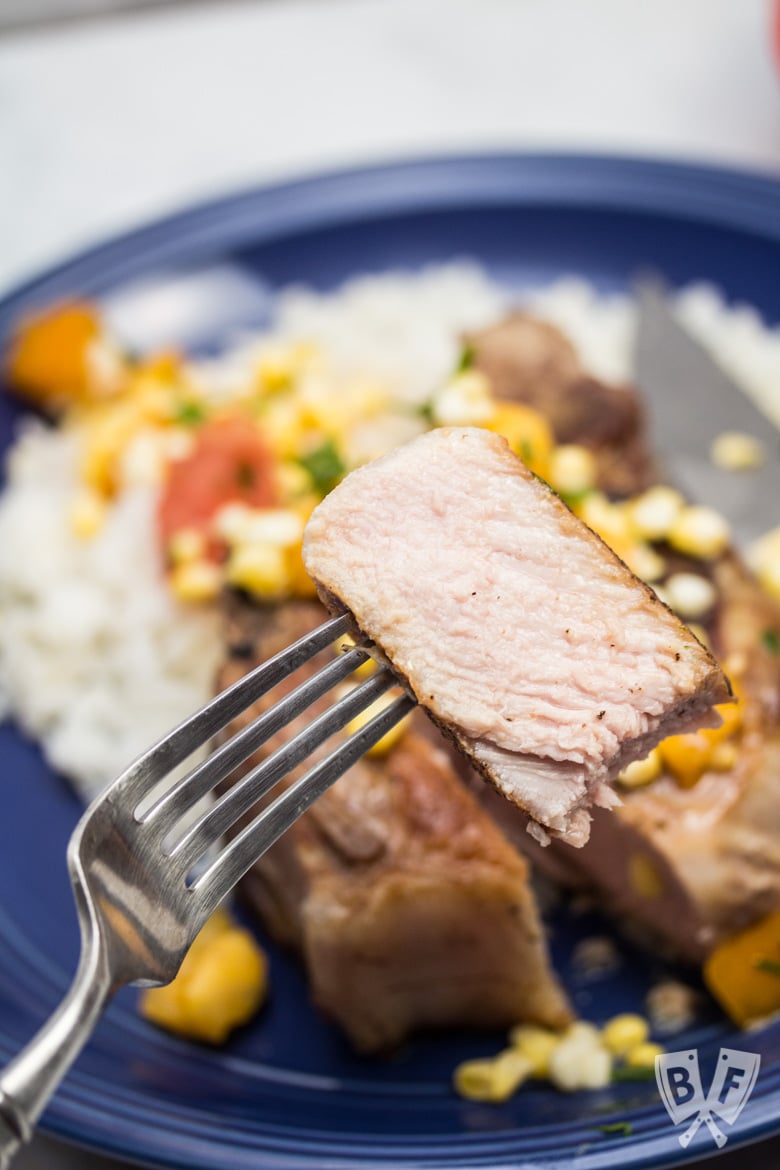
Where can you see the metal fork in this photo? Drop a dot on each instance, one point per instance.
(140, 891)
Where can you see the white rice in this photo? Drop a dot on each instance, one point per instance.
(96, 659)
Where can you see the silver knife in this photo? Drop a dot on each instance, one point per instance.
(690, 401)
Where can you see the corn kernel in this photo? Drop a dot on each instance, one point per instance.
(580, 1061)
(292, 480)
(178, 443)
(283, 426)
(769, 578)
(492, 1080)
(106, 367)
(690, 595)
(260, 569)
(700, 532)
(625, 1032)
(671, 1006)
(142, 462)
(87, 514)
(231, 520)
(645, 562)
(104, 437)
(188, 544)
(724, 757)
(536, 1045)
(281, 527)
(277, 366)
(641, 772)
(300, 583)
(195, 581)
(571, 470)
(644, 1054)
(736, 451)
(654, 512)
(391, 737)
(609, 520)
(465, 401)
(686, 756)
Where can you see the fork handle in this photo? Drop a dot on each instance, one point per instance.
(29, 1081)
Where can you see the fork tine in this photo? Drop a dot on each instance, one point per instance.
(269, 825)
(200, 727)
(217, 819)
(182, 795)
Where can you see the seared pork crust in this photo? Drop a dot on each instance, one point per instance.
(532, 362)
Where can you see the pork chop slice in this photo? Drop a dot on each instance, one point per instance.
(515, 627)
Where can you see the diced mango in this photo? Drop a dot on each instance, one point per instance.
(743, 973)
(48, 359)
(527, 432)
(221, 985)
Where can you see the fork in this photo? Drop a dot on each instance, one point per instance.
(146, 876)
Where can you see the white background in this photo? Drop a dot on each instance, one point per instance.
(106, 124)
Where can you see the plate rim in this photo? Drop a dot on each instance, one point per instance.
(747, 199)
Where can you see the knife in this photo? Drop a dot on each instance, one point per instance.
(691, 400)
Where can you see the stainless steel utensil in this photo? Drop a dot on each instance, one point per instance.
(691, 401)
(131, 858)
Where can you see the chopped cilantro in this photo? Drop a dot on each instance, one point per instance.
(425, 412)
(189, 413)
(572, 498)
(771, 966)
(627, 1072)
(617, 1129)
(771, 641)
(325, 466)
(466, 359)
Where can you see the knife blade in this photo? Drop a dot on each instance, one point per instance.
(691, 400)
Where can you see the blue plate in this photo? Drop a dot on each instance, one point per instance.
(287, 1093)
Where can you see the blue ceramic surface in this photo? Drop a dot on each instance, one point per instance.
(287, 1093)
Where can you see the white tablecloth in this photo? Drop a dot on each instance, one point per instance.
(106, 124)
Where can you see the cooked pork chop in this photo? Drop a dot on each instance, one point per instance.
(521, 634)
(531, 361)
(409, 907)
(687, 867)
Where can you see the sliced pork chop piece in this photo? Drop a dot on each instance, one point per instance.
(521, 634)
(409, 907)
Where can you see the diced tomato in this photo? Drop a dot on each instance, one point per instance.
(230, 463)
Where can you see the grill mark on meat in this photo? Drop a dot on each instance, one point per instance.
(550, 691)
